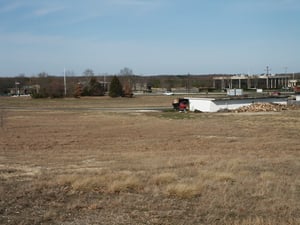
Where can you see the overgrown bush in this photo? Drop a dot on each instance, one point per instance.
(78, 90)
(95, 88)
(92, 88)
(40, 94)
(50, 87)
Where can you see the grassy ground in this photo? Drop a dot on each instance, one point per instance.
(88, 102)
(96, 167)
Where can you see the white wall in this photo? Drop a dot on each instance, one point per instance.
(203, 105)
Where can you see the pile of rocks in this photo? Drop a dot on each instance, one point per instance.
(262, 107)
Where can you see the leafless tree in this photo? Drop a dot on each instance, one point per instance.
(88, 73)
(128, 78)
(126, 72)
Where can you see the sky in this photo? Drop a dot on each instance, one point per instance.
(149, 36)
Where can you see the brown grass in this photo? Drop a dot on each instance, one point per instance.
(184, 190)
(164, 178)
(106, 167)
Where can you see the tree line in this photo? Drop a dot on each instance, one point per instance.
(44, 85)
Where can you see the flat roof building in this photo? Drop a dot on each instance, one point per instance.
(250, 82)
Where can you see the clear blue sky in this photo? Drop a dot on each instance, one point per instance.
(149, 36)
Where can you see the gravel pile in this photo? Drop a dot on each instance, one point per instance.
(263, 107)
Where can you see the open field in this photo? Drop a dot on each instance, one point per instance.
(62, 165)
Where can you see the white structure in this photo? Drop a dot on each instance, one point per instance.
(244, 81)
(215, 105)
(235, 92)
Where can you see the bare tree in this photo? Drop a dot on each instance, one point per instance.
(70, 73)
(128, 78)
(88, 73)
(126, 72)
(43, 74)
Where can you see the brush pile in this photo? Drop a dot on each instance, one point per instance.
(262, 107)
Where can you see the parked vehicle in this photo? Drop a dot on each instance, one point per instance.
(169, 93)
(297, 89)
(180, 104)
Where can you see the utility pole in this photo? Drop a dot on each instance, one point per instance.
(268, 81)
(285, 81)
(285, 70)
(188, 83)
(268, 70)
(65, 82)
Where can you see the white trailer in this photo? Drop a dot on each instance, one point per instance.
(215, 105)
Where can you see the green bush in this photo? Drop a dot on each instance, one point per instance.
(115, 88)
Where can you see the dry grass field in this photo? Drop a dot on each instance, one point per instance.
(69, 162)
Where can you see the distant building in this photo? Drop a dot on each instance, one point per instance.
(24, 90)
(251, 82)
